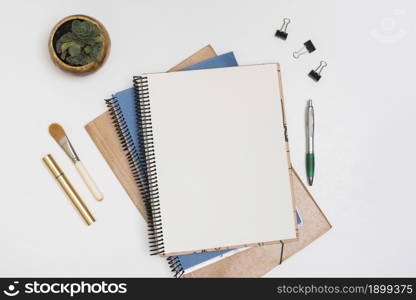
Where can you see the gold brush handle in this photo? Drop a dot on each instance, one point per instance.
(89, 181)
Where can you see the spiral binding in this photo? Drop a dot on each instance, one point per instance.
(176, 266)
(125, 138)
(147, 163)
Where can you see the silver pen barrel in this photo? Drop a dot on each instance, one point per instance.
(310, 126)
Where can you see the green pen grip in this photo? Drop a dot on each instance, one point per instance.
(310, 164)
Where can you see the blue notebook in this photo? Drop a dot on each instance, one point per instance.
(122, 107)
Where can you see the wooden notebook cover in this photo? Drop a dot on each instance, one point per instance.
(253, 262)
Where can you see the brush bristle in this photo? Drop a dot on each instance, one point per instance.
(56, 131)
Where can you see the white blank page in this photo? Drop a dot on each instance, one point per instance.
(221, 158)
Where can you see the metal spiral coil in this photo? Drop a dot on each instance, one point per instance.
(147, 164)
(176, 266)
(125, 138)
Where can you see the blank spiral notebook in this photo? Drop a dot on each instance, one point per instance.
(123, 116)
(215, 158)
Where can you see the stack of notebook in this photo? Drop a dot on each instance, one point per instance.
(203, 153)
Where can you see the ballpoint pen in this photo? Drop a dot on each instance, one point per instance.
(310, 156)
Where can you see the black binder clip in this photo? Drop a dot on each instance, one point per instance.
(281, 33)
(316, 74)
(307, 48)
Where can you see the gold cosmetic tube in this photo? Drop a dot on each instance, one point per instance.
(69, 189)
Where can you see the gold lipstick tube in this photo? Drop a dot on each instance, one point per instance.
(69, 189)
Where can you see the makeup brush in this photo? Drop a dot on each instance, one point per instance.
(58, 133)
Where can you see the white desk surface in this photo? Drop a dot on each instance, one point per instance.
(364, 105)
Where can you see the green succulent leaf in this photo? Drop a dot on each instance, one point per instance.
(75, 60)
(88, 49)
(67, 37)
(84, 29)
(65, 46)
(96, 51)
(99, 39)
(88, 41)
(74, 49)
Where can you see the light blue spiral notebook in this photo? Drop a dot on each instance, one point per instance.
(122, 107)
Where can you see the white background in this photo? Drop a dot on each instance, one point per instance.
(365, 129)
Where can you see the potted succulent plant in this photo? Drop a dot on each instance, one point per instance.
(79, 44)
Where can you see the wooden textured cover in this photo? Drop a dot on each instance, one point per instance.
(253, 262)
